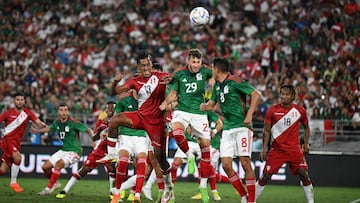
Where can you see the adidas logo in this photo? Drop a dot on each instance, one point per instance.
(184, 80)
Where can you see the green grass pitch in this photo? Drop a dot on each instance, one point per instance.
(95, 191)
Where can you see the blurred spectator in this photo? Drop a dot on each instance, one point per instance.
(257, 143)
(62, 51)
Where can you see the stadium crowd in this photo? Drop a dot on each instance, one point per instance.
(62, 51)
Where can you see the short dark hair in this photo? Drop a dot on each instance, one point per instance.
(62, 105)
(195, 53)
(289, 87)
(157, 66)
(222, 64)
(142, 54)
(110, 102)
(19, 94)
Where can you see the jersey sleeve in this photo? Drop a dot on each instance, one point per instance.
(31, 115)
(3, 116)
(212, 117)
(304, 118)
(244, 87)
(80, 126)
(175, 82)
(53, 126)
(214, 94)
(268, 115)
(130, 83)
(208, 72)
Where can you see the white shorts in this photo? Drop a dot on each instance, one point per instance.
(194, 148)
(69, 158)
(133, 144)
(150, 148)
(236, 142)
(199, 123)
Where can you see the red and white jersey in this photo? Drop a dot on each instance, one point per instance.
(285, 125)
(16, 122)
(151, 93)
(101, 123)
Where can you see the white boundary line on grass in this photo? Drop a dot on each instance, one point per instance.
(355, 201)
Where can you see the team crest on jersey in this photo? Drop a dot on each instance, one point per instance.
(198, 76)
(67, 129)
(226, 89)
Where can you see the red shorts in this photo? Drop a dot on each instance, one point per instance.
(98, 153)
(9, 146)
(91, 162)
(155, 127)
(276, 159)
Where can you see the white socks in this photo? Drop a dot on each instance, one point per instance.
(70, 183)
(14, 173)
(309, 193)
(151, 180)
(258, 189)
(129, 183)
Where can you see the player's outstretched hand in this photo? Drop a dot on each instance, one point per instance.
(262, 155)
(33, 130)
(168, 107)
(117, 78)
(305, 148)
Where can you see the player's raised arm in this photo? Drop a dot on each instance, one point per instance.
(172, 97)
(115, 89)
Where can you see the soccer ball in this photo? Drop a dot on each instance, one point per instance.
(199, 16)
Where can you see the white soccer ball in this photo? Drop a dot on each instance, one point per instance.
(199, 16)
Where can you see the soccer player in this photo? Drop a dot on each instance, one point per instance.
(16, 120)
(231, 93)
(132, 142)
(283, 121)
(68, 130)
(216, 125)
(188, 88)
(150, 87)
(99, 151)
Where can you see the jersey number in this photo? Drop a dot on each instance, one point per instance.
(191, 87)
(206, 127)
(62, 135)
(287, 121)
(222, 97)
(244, 142)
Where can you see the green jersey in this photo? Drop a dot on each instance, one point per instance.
(190, 88)
(128, 103)
(231, 95)
(213, 118)
(69, 133)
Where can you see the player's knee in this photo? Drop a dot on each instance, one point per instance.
(4, 168)
(16, 158)
(227, 167)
